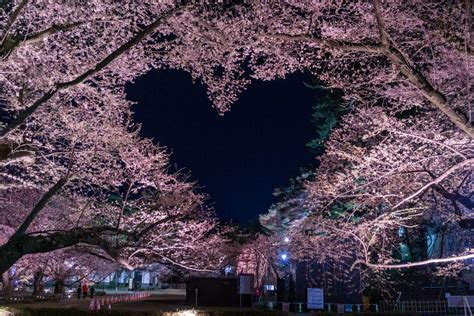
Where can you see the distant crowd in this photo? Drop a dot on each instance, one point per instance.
(85, 290)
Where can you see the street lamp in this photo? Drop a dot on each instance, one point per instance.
(228, 270)
(286, 240)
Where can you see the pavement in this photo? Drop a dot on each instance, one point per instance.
(161, 300)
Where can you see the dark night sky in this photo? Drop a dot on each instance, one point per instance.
(238, 158)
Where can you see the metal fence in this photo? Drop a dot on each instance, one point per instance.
(418, 307)
(302, 307)
(426, 308)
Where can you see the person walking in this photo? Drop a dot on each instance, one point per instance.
(79, 291)
(84, 290)
(92, 291)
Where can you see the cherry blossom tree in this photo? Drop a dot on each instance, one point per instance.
(391, 192)
(67, 123)
(63, 267)
(259, 257)
(77, 139)
(390, 173)
(414, 55)
(156, 226)
(391, 60)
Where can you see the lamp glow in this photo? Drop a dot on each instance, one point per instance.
(190, 312)
(228, 269)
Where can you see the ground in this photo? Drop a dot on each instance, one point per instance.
(164, 301)
(170, 302)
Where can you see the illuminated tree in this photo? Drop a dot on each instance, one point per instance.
(63, 267)
(69, 136)
(155, 226)
(405, 56)
(66, 123)
(260, 257)
(393, 171)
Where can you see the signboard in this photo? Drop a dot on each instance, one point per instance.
(146, 278)
(315, 298)
(245, 283)
(340, 308)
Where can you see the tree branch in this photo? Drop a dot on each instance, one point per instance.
(431, 141)
(39, 206)
(87, 74)
(17, 247)
(12, 43)
(397, 58)
(380, 24)
(439, 179)
(12, 18)
(417, 78)
(428, 91)
(10, 152)
(182, 265)
(330, 43)
(417, 264)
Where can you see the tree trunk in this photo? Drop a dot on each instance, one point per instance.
(59, 285)
(15, 248)
(38, 280)
(7, 288)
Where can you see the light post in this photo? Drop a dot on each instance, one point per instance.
(290, 284)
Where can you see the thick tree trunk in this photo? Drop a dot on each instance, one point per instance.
(38, 280)
(59, 285)
(6, 282)
(17, 247)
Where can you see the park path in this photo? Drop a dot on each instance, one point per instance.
(161, 300)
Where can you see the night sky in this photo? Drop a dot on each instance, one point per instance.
(238, 158)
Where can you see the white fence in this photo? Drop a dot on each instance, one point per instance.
(454, 305)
